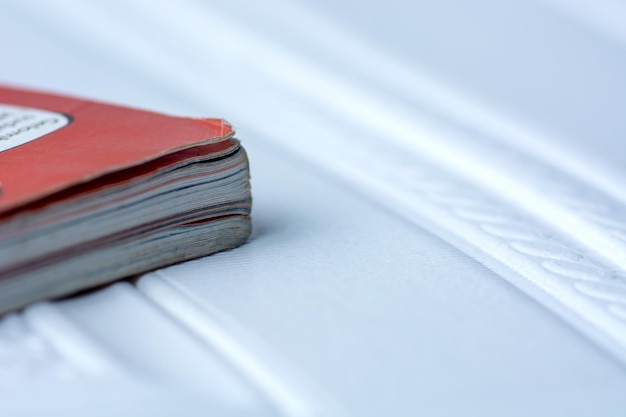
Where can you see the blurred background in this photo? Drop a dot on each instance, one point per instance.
(369, 301)
(550, 68)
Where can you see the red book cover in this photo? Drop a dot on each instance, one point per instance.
(89, 139)
(69, 166)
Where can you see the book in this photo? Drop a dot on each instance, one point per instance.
(91, 193)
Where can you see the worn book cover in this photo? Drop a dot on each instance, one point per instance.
(92, 192)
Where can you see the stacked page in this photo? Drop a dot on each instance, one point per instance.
(92, 193)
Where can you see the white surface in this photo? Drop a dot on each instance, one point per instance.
(383, 316)
(524, 60)
(112, 351)
(337, 302)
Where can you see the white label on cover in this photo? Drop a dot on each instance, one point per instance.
(19, 125)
